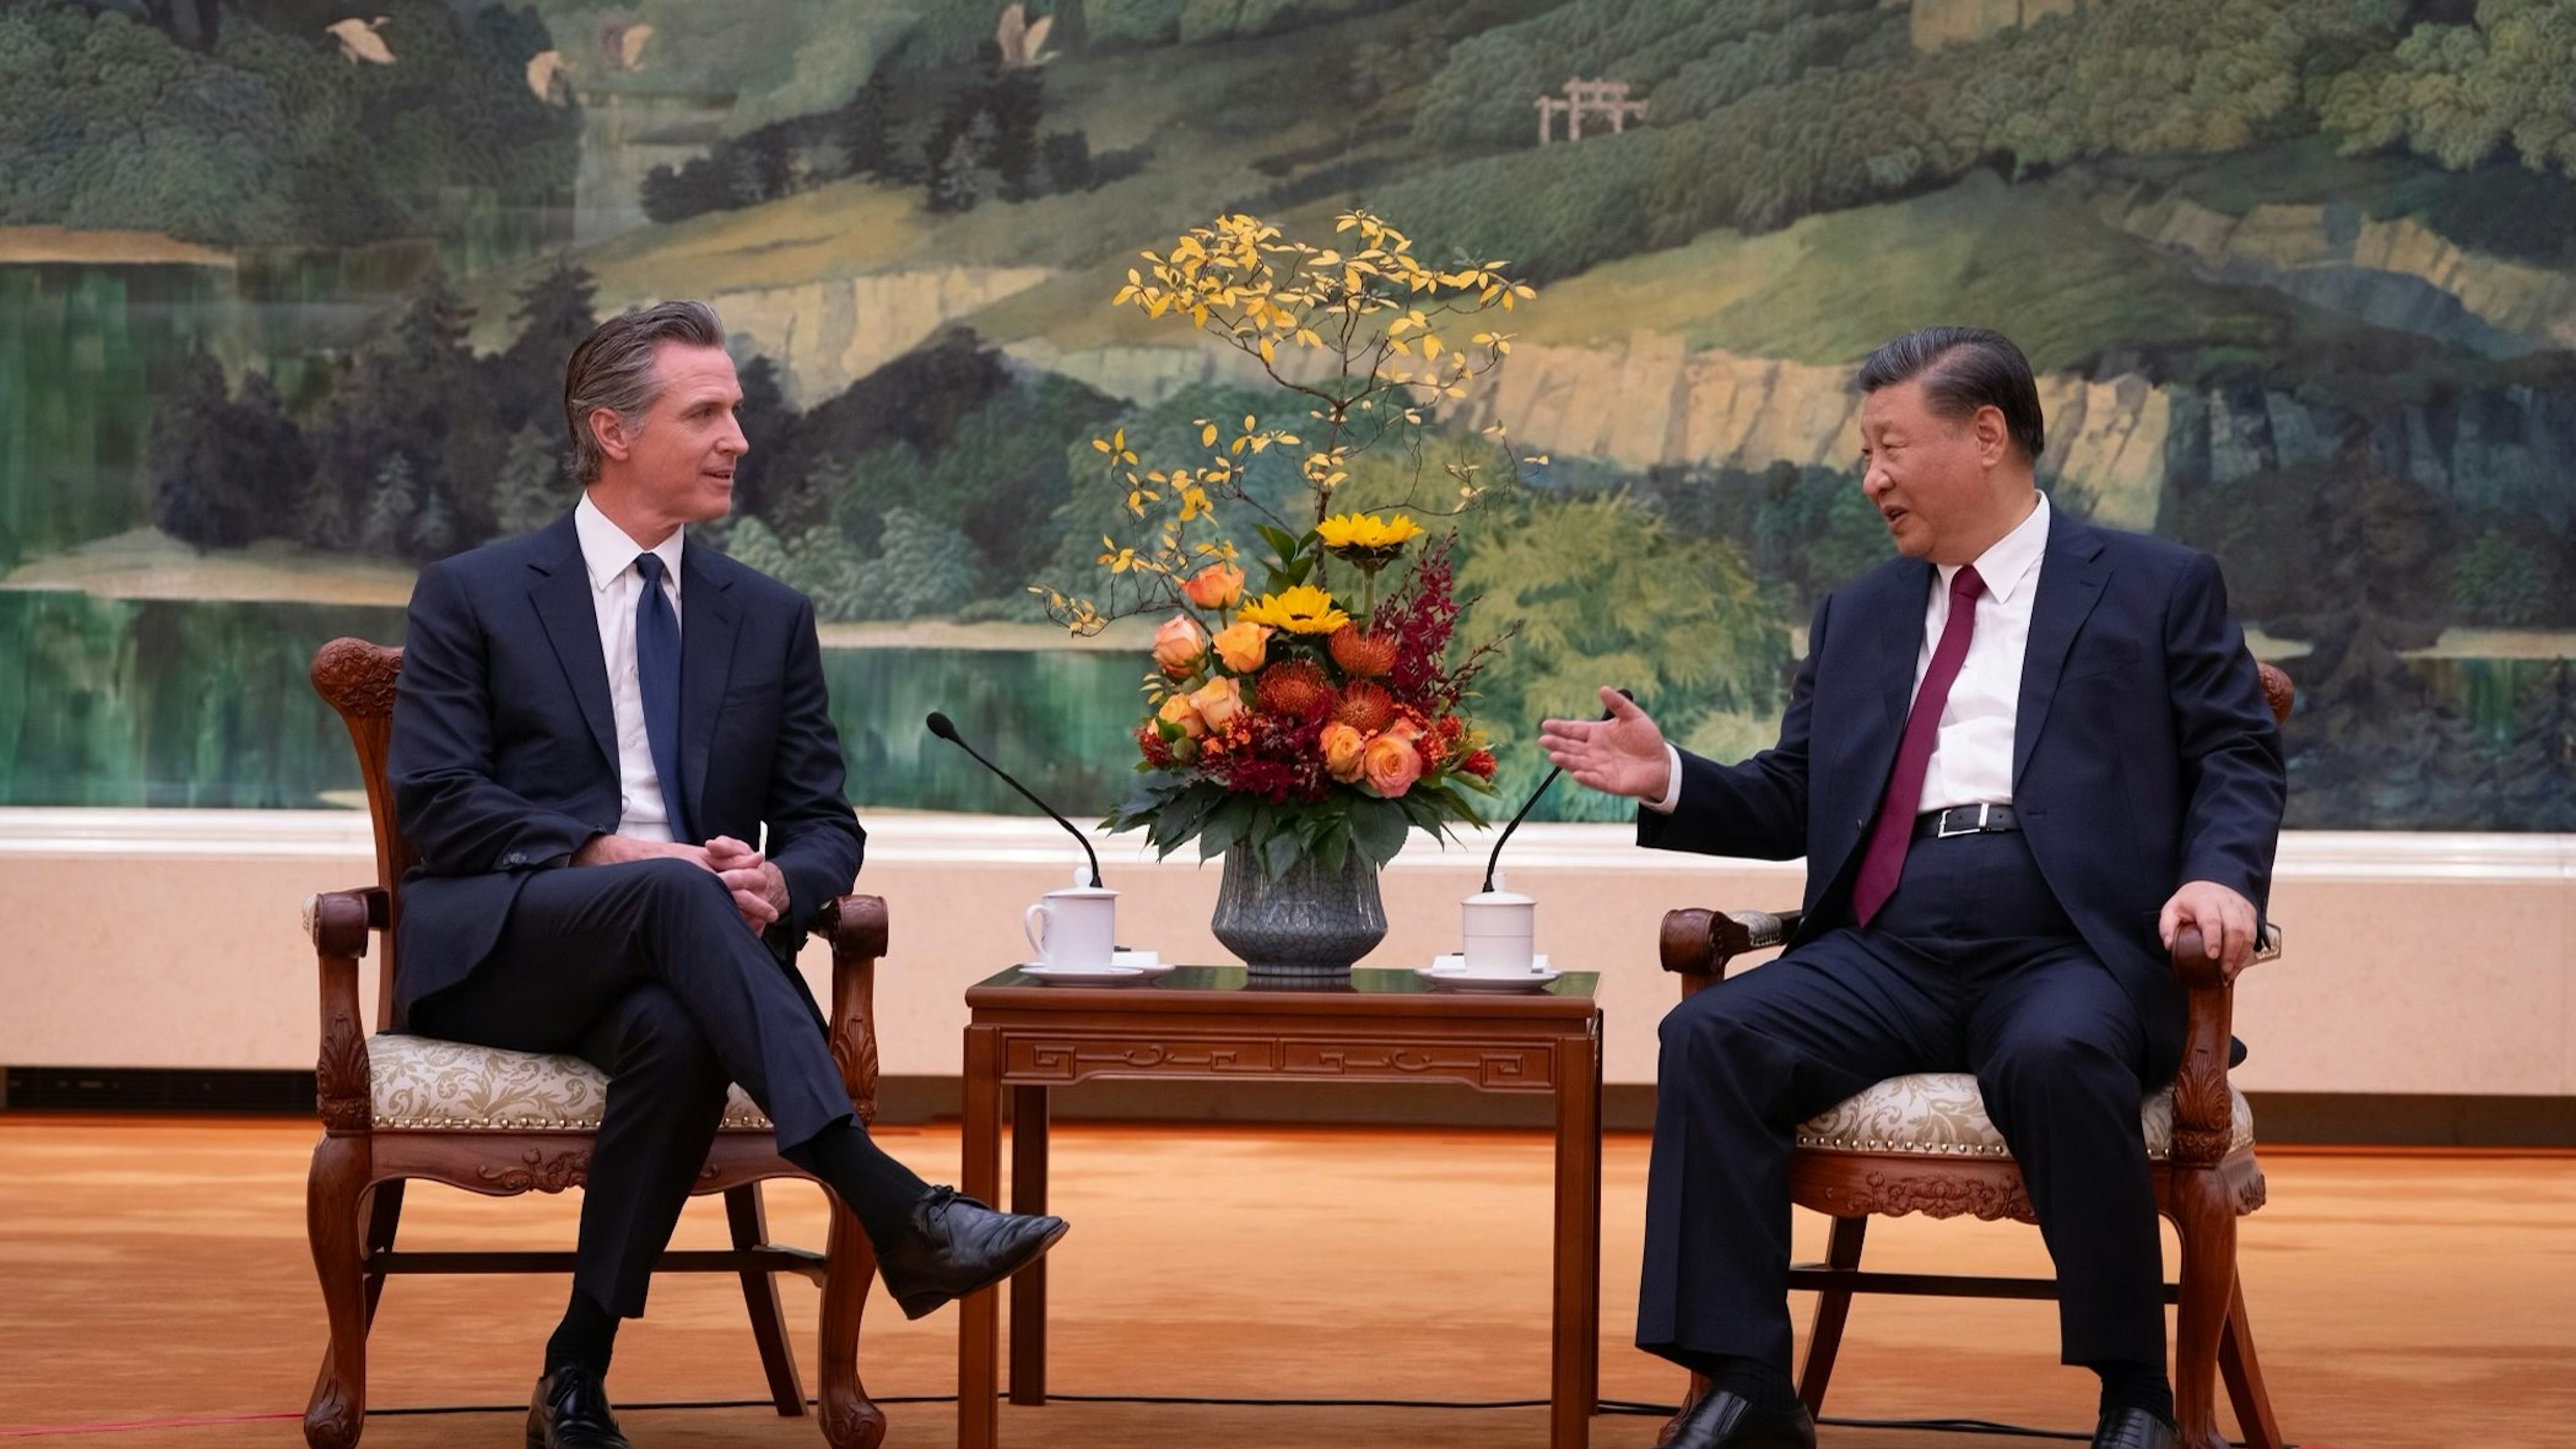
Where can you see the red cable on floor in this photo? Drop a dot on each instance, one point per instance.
(33, 1430)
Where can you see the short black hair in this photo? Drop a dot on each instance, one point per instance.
(1964, 369)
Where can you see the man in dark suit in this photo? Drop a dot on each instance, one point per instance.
(2016, 759)
(594, 723)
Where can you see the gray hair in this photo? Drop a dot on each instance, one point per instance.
(613, 369)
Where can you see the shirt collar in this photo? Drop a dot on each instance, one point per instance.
(608, 552)
(2010, 560)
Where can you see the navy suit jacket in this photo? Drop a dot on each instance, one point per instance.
(504, 750)
(2144, 754)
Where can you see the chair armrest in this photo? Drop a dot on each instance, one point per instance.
(856, 927)
(338, 923)
(1697, 944)
(2202, 1107)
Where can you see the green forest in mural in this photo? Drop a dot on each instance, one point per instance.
(286, 290)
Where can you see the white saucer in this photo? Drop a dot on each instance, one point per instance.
(1123, 966)
(1451, 971)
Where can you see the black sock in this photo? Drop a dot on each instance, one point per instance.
(1760, 1385)
(585, 1338)
(2135, 1386)
(879, 1190)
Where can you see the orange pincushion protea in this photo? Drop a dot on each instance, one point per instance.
(1294, 687)
(1363, 656)
(1365, 707)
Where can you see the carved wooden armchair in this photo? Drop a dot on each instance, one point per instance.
(1923, 1143)
(396, 1107)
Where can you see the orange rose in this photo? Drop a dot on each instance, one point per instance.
(1179, 645)
(1243, 646)
(1218, 586)
(1343, 747)
(1219, 702)
(1392, 765)
(1177, 710)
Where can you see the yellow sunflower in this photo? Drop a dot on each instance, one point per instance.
(1366, 539)
(1304, 609)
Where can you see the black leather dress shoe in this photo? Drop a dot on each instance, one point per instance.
(1725, 1420)
(2135, 1429)
(958, 1245)
(570, 1411)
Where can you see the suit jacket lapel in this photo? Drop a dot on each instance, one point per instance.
(2071, 577)
(562, 598)
(1899, 641)
(709, 619)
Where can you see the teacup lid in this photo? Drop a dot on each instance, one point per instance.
(1082, 888)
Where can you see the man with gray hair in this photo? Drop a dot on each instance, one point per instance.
(594, 723)
(2019, 760)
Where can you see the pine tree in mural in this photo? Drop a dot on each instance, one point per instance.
(433, 532)
(391, 506)
(183, 456)
(861, 128)
(533, 487)
(556, 311)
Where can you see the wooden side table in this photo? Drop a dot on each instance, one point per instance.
(1213, 1024)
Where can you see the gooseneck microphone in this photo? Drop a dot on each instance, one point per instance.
(1523, 812)
(940, 726)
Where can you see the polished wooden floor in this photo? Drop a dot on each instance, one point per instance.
(154, 1291)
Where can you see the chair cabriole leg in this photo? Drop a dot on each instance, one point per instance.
(333, 1195)
(850, 1421)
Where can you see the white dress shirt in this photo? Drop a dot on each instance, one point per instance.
(1972, 755)
(615, 589)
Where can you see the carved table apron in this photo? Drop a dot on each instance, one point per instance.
(1210, 1024)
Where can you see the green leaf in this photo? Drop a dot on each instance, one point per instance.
(1377, 828)
(1224, 826)
(1334, 848)
(1280, 852)
(1281, 545)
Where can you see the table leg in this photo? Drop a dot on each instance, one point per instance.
(1028, 1288)
(1575, 1357)
(980, 1177)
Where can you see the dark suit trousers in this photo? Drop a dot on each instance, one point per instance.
(646, 971)
(1971, 966)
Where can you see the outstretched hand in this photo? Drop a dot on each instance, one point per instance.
(1621, 755)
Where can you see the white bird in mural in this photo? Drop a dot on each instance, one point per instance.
(1023, 42)
(546, 76)
(359, 41)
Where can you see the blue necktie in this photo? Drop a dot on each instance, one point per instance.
(657, 678)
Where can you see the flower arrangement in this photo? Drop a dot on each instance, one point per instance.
(1320, 714)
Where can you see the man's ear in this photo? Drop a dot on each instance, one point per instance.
(615, 439)
(1992, 434)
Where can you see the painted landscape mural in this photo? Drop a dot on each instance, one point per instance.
(286, 287)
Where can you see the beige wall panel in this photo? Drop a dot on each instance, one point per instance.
(2417, 963)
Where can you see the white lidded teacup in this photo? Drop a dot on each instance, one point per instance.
(1499, 929)
(1076, 926)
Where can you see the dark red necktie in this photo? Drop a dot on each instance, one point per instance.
(1884, 860)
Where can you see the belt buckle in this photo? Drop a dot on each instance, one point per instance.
(1943, 830)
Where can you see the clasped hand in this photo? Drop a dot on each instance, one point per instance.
(759, 889)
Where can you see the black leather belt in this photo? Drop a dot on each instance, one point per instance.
(1964, 820)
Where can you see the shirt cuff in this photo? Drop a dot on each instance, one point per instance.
(1673, 791)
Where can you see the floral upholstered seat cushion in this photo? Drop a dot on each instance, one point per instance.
(1942, 1114)
(422, 1084)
